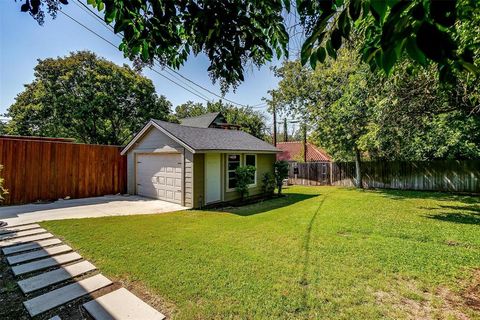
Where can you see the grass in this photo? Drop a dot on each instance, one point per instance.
(320, 252)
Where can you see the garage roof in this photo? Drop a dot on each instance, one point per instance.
(207, 139)
(203, 121)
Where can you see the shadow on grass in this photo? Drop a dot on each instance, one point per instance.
(268, 205)
(306, 258)
(458, 214)
(440, 196)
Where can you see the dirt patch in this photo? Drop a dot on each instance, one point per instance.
(471, 296)
(406, 300)
(12, 298)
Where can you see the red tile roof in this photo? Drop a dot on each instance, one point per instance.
(292, 151)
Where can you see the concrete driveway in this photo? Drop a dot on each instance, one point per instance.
(114, 205)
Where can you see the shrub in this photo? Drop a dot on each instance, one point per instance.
(281, 173)
(245, 175)
(268, 183)
(3, 191)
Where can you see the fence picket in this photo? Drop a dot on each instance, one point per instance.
(438, 175)
(48, 170)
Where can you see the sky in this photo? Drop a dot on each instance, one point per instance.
(23, 41)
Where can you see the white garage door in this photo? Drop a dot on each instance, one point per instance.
(159, 176)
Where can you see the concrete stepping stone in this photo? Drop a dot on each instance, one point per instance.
(45, 263)
(30, 246)
(19, 228)
(47, 252)
(55, 318)
(22, 233)
(55, 276)
(65, 294)
(12, 242)
(121, 304)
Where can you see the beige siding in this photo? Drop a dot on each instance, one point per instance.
(188, 195)
(198, 180)
(154, 141)
(264, 164)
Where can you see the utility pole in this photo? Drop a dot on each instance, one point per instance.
(305, 142)
(274, 125)
(285, 132)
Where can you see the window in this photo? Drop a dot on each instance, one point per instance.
(233, 162)
(251, 160)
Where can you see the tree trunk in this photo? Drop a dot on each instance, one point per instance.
(358, 169)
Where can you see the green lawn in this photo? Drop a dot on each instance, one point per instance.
(321, 252)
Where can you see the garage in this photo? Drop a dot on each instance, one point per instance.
(194, 165)
(159, 176)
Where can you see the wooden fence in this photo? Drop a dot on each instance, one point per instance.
(310, 173)
(48, 169)
(442, 175)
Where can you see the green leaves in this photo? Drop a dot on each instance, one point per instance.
(256, 31)
(336, 39)
(414, 52)
(434, 43)
(321, 54)
(354, 9)
(378, 8)
(87, 98)
(388, 60)
(110, 14)
(443, 12)
(305, 53)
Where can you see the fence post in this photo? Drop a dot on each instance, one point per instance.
(330, 164)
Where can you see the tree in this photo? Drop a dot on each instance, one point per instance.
(417, 117)
(268, 183)
(281, 173)
(333, 99)
(355, 113)
(2, 127)
(250, 121)
(245, 175)
(3, 191)
(235, 33)
(87, 98)
(190, 109)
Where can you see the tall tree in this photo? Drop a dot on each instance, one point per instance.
(355, 113)
(87, 98)
(249, 120)
(190, 109)
(417, 117)
(333, 100)
(235, 33)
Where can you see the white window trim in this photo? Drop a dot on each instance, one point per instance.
(227, 171)
(254, 184)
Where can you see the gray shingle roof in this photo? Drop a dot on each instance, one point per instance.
(203, 121)
(205, 139)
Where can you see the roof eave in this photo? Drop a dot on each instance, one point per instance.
(144, 130)
(239, 151)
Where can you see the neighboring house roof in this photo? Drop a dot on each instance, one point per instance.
(207, 139)
(292, 151)
(203, 121)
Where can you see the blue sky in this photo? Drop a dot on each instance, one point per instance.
(23, 41)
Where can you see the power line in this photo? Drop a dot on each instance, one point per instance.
(86, 9)
(84, 26)
(116, 47)
(168, 67)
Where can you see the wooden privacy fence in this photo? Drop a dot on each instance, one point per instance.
(48, 169)
(309, 173)
(441, 175)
